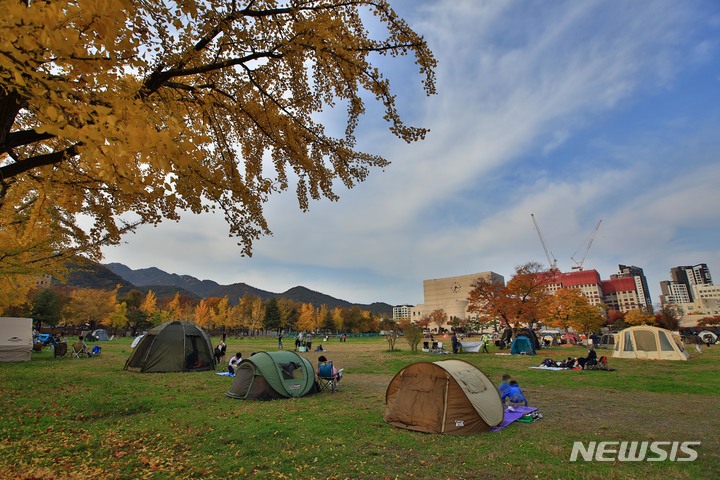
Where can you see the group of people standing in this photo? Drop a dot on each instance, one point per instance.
(303, 340)
(456, 345)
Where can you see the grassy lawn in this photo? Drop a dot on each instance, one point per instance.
(87, 418)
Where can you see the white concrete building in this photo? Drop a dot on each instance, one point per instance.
(402, 312)
(450, 295)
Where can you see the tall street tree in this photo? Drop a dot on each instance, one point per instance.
(47, 306)
(123, 113)
(516, 302)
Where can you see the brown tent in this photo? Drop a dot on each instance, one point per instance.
(448, 396)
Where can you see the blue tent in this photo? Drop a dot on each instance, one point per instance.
(522, 346)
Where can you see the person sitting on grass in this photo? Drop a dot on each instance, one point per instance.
(569, 363)
(591, 359)
(548, 362)
(234, 363)
(513, 396)
(504, 384)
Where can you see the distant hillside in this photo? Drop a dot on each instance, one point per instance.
(237, 290)
(146, 278)
(302, 294)
(94, 275)
(154, 276)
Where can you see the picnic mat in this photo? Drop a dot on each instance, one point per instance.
(555, 369)
(224, 374)
(510, 417)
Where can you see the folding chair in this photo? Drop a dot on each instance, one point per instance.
(327, 380)
(79, 350)
(599, 364)
(61, 349)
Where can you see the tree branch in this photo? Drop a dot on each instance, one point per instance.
(13, 169)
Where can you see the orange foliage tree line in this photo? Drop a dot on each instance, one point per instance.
(526, 299)
(85, 306)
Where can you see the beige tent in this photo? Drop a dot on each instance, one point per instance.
(650, 343)
(448, 396)
(15, 339)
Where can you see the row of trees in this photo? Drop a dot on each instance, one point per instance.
(526, 299)
(137, 311)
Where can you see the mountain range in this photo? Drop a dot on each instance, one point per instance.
(165, 284)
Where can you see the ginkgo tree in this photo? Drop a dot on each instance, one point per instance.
(116, 113)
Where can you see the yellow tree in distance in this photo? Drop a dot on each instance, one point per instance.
(307, 320)
(569, 308)
(202, 314)
(127, 113)
(638, 317)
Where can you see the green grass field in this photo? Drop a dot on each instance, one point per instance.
(87, 418)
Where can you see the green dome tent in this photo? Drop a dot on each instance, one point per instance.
(173, 347)
(273, 375)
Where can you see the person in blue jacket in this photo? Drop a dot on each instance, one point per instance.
(504, 384)
(513, 396)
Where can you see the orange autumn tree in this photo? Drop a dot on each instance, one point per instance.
(125, 113)
(516, 302)
(438, 318)
(569, 308)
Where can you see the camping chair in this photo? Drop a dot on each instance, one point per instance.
(79, 350)
(61, 349)
(327, 380)
(600, 364)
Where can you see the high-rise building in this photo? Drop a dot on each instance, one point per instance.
(620, 293)
(691, 289)
(673, 292)
(691, 275)
(641, 284)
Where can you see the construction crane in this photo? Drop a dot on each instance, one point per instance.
(551, 258)
(579, 264)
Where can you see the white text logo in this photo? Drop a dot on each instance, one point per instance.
(634, 451)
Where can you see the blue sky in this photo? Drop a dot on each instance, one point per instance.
(574, 111)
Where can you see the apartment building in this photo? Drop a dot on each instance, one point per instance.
(691, 289)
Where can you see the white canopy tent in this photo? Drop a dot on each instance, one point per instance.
(16, 340)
